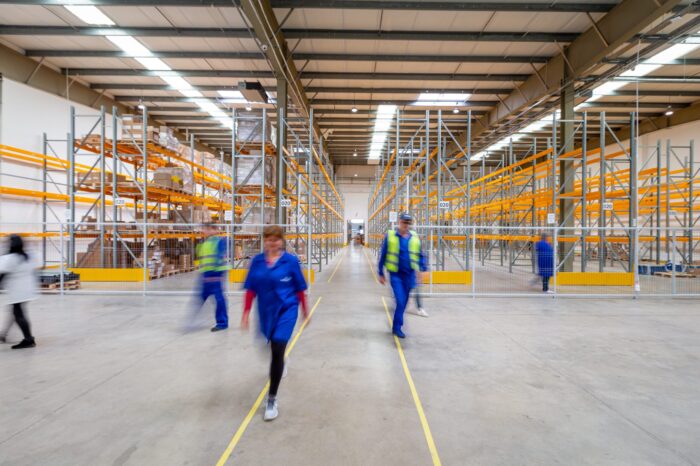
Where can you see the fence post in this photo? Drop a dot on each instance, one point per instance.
(61, 267)
(555, 250)
(472, 258)
(673, 262)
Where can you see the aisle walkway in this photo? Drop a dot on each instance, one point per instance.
(523, 381)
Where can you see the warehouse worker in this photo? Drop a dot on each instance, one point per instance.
(545, 261)
(402, 256)
(276, 279)
(211, 260)
(17, 270)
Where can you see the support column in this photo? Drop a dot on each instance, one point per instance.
(566, 174)
(282, 103)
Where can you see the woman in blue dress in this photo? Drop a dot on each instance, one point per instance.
(275, 278)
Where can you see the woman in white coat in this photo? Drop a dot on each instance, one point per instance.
(20, 284)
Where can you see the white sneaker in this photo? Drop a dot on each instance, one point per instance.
(549, 292)
(271, 411)
(421, 312)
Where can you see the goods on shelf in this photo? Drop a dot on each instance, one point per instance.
(91, 258)
(94, 179)
(250, 131)
(193, 214)
(51, 280)
(244, 166)
(175, 178)
(167, 139)
(255, 218)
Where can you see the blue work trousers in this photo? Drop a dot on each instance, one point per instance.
(213, 287)
(401, 284)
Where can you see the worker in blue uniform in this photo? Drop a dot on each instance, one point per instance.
(275, 278)
(403, 258)
(545, 261)
(211, 260)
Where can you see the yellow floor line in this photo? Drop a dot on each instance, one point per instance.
(249, 417)
(371, 267)
(414, 393)
(336, 267)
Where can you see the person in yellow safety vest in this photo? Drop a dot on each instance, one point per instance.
(211, 261)
(403, 258)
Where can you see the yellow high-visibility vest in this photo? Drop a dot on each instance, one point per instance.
(392, 251)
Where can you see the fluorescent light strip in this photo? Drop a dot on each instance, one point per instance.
(90, 15)
(130, 45)
(385, 116)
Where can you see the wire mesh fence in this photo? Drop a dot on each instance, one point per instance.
(558, 261)
(148, 258)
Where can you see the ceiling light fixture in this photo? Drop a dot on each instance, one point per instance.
(90, 14)
(354, 110)
(385, 114)
(431, 99)
(248, 108)
(456, 110)
(669, 112)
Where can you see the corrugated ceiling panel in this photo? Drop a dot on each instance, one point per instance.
(434, 20)
(135, 16)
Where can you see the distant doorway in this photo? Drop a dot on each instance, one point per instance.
(356, 231)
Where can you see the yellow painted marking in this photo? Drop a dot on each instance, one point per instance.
(371, 267)
(414, 393)
(336, 267)
(249, 417)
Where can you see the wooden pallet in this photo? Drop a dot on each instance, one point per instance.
(677, 275)
(67, 285)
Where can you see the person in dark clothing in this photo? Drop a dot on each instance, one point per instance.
(20, 284)
(545, 261)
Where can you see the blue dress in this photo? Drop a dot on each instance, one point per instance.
(276, 288)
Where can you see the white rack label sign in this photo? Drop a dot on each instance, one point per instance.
(551, 219)
(119, 202)
(285, 202)
(607, 206)
(228, 215)
(444, 204)
(67, 214)
(393, 216)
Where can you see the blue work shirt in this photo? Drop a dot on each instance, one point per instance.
(221, 256)
(545, 258)
(276, 288)
(405, 268)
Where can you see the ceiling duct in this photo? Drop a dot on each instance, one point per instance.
(253, 92)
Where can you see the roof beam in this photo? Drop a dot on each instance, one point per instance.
(297, 56)
(306, 75)
(586, 53)
(241, 33)
(580, 7)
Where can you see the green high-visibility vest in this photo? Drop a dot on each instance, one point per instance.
(392, 251)
(208, 256)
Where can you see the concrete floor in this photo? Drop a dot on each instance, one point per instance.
(115, 381)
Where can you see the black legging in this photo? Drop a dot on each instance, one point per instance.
(545, 283)
(276, 365)
(22, 320)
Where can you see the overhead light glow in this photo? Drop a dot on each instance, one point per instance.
(354, 110)
(231, 94)
(153, 64)
(456, 110)
(385, 114)
(177, 83)
(130, 45)
(90, 14)
(669, 112)
(249, 108)
(431, 99)
(646, 67)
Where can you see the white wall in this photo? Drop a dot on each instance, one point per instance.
(25, 114)
(356, 199)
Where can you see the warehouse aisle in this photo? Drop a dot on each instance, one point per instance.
(345, 400)
(114, 381)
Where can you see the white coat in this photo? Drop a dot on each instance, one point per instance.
(20, 282)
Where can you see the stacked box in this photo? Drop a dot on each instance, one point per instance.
(250, 131)
(244, 167)
(193, 214)
(175, 178)
(167, 139)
